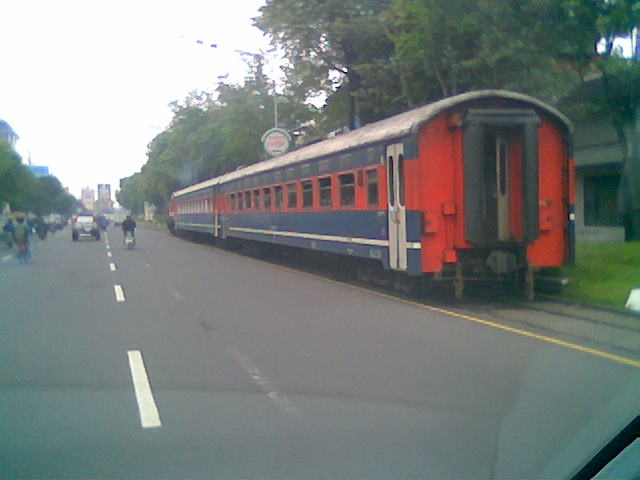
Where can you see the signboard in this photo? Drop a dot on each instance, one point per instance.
(104, 191)
(87, 198)
(39, 170)
(276, 141)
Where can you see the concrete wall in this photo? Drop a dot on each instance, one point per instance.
(588, 233)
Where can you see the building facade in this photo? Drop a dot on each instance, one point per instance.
(7, 134)
(104, 204)
(599, 161)
(87, 197)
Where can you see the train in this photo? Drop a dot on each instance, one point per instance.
(478, 186)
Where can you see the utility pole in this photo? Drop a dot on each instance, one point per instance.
(275, 106)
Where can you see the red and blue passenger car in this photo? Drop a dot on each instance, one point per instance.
(475, 186)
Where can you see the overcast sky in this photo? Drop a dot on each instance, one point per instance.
(86, 84)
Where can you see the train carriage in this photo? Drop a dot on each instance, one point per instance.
(475, 186)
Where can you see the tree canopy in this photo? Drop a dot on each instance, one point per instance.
(209, 136)
(25, 192)
(375, 58)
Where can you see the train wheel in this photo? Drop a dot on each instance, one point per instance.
(528, 286)
(458, 283)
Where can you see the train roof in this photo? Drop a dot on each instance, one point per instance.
(390, 128)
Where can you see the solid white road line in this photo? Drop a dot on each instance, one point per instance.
(119, 293)
(149, 415)
(112, 267)
(109, 254)
(278, 398)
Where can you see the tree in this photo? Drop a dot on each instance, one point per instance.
(596, 24)
(326, 43)
(209, 135)
(24, 192)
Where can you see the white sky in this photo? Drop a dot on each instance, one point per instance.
(86, 84)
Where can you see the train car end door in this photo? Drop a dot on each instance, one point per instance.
(397, 215)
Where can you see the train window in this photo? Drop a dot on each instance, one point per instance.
(292, 196)
(256, 199)
(277, 194)
(247, 200)
(233, 201)
(401, 179)
(240, 201)
(502, 168)
(324, 184)
(372, 188)
(307, 194)
(347, 190)
(391, 182)
(266, 198)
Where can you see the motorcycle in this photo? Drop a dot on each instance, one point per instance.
(23, 253)
(129, 240)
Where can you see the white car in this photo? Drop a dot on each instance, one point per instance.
(85, 226)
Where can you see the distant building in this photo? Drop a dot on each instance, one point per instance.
(104, 203)
(7, 134)
(599, 160)
(39, 170)
(149, 211)
(87, 198)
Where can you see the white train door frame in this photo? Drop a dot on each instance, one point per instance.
(397, 214)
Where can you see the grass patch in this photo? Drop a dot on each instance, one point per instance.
(604, 273)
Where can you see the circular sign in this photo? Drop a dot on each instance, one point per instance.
(276, 141)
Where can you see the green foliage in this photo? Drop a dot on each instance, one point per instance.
(131, 194)
(604, 273)
(330, 43)
(210, 136)
(25, 192)
(376, 58)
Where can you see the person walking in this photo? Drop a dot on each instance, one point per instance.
(8, 229)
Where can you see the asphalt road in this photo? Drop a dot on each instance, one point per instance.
(250, 370)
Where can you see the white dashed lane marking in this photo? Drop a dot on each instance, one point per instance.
(6, 258)
(176, 294)
(109, 254)
(119, 293)
(278, 398)
(147, 408)
(112, 267)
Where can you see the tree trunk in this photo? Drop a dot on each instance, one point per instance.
(630, 182)
(353, 85)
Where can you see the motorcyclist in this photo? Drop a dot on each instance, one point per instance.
(129, 225)
(21, 237)
(41, 228)
(8, 229)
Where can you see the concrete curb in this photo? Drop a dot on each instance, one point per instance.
(154, 228)
(576, 303)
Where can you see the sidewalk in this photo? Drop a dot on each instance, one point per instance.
(153, 226)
